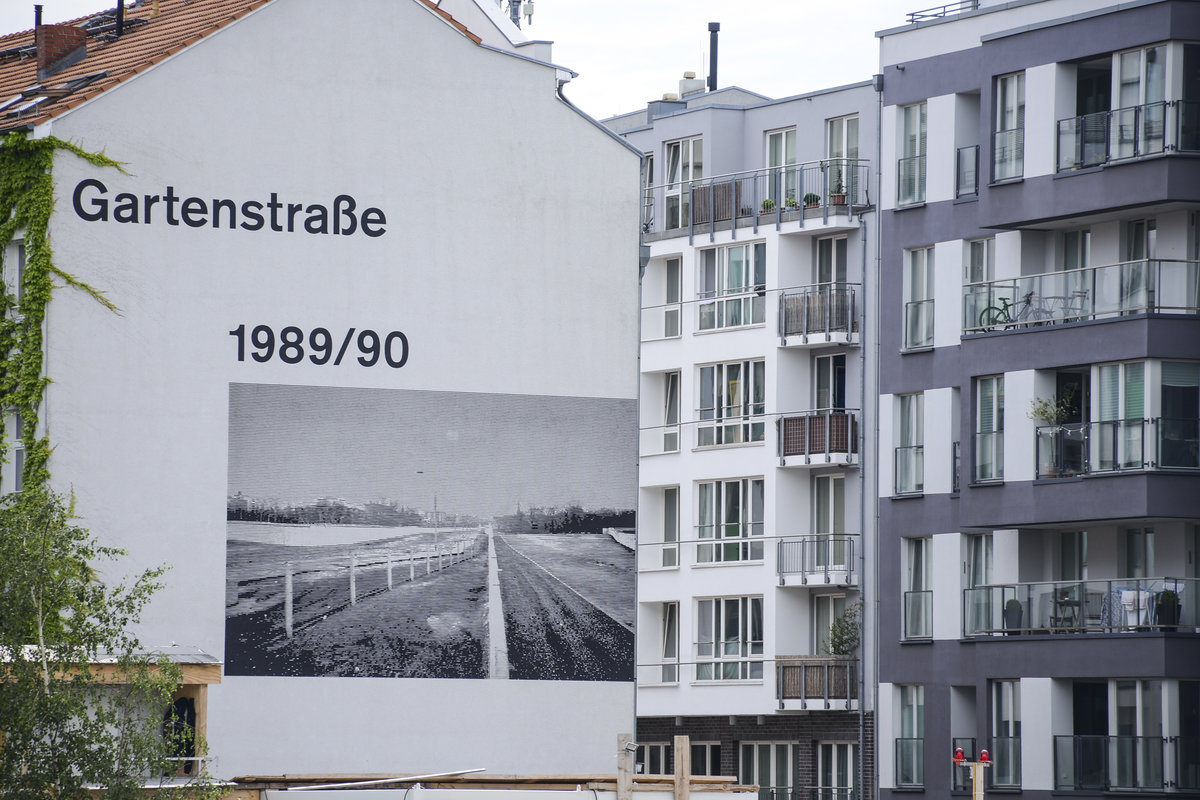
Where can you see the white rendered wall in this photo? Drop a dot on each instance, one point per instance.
(485, 228)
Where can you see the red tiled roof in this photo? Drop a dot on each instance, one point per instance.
(148, 38)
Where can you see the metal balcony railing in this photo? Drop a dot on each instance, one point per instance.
(837, 185)
(1008, 154)
(910, 469)
(1158, 286)
(1094, 139)
(1114, 605)
(942, 11)
(816, 678)
(910, 180)
(824, 308)
(807, 793)
(827, 432)
(822, 558)
(966, 171)
(1069, 450)
(1109, 763)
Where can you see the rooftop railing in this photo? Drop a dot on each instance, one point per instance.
(1115, 605)
(760, 196)
(1158, 286)
(1070, 450)
(942, 11)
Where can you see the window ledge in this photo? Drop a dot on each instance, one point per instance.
(746, 563)
(977, 484)
(910, 350)
(909, 206)
(967, 198)
(1007, 181)
(747, 682)
(917, 641)
(750, 327)
(733, 446)
(659, 569)
(908, 496)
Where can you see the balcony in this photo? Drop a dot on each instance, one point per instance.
(773, 195)
(1114, 605)
(1094, 140)
(819, 438)
(1114, 763)
(910, 183)
(910, 470)
(1160, 286)
(816, 683)
(818, 315)
(1120, 445)
(817, 560)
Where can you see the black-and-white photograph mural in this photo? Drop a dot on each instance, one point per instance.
(419, 534)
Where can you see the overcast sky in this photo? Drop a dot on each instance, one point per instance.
(627, 53)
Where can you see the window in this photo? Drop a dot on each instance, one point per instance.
(1137, 546)
(989, 428)
(14, 470)
(918, 594)
(979, 259)
(841, 149)
(1139, 84)
(826, 609)
(781, 160)
(773, 766)
(1118, 444)
(729, 639)
(829, 387)
(653, 759)
(836, 768)
(16, 279)
(731, 403)
(648, 193)
(910, 744)
(910, 438)
(1009, 141)
(730, 520)
(1006, 733)
(684, 164)
(674, 297)
(918, 298)
(910, 183)
(1135, 276)
(831, 551)
(979, 574)
(670, 642)
(831, 260)
(670, 412)
(1179, 426)
(706, 758)
(670, 549)
(732, 286)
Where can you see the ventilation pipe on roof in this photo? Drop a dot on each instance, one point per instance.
(37, 17)
(713, 28)
(120, 17)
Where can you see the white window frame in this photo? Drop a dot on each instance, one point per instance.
(731, 286)
(669, 649)
(671, 411)
(1138, 117)
(910, 172)
(917, 599)
(670, 526)
(829, 380)
(918, 286)
(989, 428)
(910, 444)
(910, 721)
(780, 157)
(826, 609)
(731, 403)
(727, 648)
(832, 255)
(772, 766)
(683, 163)
(730, 520)
(673, 311)
(1008, 132)
(834, 758)
(841, 151)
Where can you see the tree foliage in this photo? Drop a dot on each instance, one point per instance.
(81, 704)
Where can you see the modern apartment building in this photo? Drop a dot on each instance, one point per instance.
(754, 529)
(1039, 364)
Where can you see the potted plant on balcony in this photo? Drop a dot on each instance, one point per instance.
(837, 195)
(792, 203)
(1167, 610)
(768, 206)
(845, 634)
(1052, 413)
(1012, 616)
(812, 200)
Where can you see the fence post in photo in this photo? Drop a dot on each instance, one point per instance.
(353, 567)
(389, 571)
(427, 570)
(412, 565)
(287, 599)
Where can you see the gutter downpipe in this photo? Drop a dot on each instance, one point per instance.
(875, 420)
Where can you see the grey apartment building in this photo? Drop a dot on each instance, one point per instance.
(1038, 398)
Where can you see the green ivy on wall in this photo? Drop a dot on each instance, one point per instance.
(26, 200)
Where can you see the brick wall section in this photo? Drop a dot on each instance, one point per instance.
(806, 730)
(55, 43)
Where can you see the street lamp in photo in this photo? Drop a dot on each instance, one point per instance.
(436, 544)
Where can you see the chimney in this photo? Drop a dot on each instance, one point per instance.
(120, 17)
(713, 28)
(690, 85)
(58, 47)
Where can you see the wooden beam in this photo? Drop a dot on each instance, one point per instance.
(683, 767)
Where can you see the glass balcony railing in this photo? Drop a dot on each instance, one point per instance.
(1092, 140)
(817, 680)
(1008, 154)
(910, 180)
(1120, 445)
(910, 470)
(918, 324)
(1114, 605)
(819, 309)
(820, 559)
(989, 456)
(966, 171)
(819, 188)
(1109, 763)
(910, 762)
(1158, 286)
(918, 615)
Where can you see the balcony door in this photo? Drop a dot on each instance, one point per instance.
(979, 573)
(1179, 425)
(841, 149)
(1139, 84)
(1137, 287)
(1118, 441)
(1137, 728)
(684, 164)
(781, 160)
(836, 768)
(829, 523)
(773, 766)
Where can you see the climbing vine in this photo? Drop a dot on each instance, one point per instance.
(26, 200)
